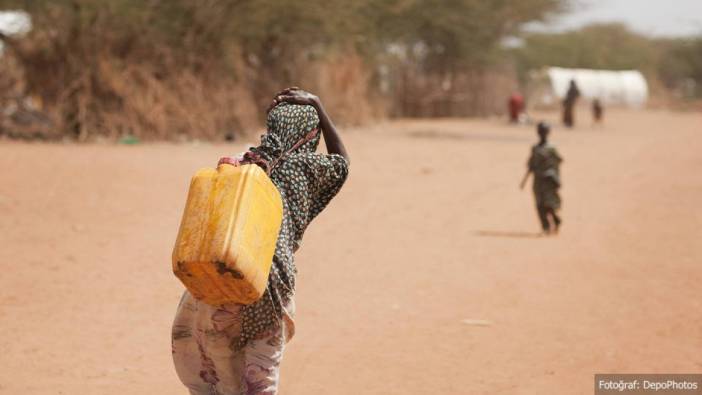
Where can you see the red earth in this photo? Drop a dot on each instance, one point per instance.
(425, 275)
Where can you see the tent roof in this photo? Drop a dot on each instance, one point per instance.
(15, 22)
(627, 87)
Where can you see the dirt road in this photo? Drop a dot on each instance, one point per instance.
(425, 275)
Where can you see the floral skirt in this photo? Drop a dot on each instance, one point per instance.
(204, 339)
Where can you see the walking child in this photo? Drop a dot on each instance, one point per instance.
(597, 112)
(544, 163)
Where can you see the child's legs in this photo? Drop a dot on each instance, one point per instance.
(543, 217)
(555, 217)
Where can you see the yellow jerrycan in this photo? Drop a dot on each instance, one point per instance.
(228, 234)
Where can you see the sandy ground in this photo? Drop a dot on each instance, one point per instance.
(430, 232)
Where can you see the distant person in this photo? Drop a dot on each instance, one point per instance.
(236, 349)
(545, 162)
(569, 101)
(515, 106)
(597, 112)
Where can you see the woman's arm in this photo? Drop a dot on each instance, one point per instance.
(332, 139)
(331, 136)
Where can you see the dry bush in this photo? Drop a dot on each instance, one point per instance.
(11, 81)
(184, 105)
(21, 116)
(342, 80)
(174, 69)
(468, 93)
(115, 99)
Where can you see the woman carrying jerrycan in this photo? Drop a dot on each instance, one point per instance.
(234, 348)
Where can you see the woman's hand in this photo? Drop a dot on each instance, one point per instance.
(232, 160)
(228, 160)
(294, 95)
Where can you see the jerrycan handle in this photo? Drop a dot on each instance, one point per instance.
(227, 160)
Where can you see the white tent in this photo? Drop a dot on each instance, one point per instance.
(14, 23)
(627, 88)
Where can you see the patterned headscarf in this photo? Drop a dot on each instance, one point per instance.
(307, 182)
(291, 129)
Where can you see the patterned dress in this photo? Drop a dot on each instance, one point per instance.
(545, 162)
(236, 349)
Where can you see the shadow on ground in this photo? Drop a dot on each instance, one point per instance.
(497, 233)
